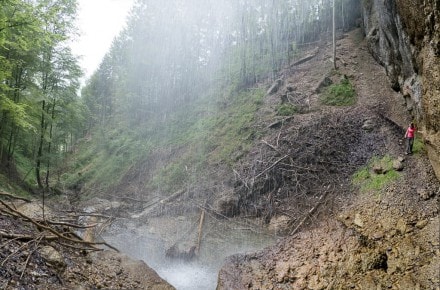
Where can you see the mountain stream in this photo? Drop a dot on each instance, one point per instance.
(218, 239)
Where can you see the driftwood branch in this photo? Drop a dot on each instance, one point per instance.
(249, 226)
(15, 252)
(72, 213)
(26, 237)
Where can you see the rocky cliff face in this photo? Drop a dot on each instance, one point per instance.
(404, 37)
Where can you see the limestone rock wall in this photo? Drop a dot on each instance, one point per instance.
(404, 37)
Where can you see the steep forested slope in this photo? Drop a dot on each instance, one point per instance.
(176, 97)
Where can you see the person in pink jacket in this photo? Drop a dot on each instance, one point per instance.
(409, 136)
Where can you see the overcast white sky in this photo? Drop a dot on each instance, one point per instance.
(99, 22)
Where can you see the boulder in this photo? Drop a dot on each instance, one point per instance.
(378, 169)
(421, 224)
(368, 125)
(53, 257)
(398, 165)
(35, 210)
(174, 252)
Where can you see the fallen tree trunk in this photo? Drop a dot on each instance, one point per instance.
(307, 57)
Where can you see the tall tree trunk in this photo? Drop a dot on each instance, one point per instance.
(343, 15)
(50, 145)
(11, 143)
(334, 35)
(18, 73)
(243, 71)
(272, 38)
(40, 146)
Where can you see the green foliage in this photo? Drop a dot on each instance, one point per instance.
(38, 84)
(16, 112)
(295, 51)
(104, 160)
(367, 180)
(342, 94)
(287, 110)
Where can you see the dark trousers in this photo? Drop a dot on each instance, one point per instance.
(409, 145)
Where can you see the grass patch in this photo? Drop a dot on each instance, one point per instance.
(367, 180)
(234, 133)
(342, 94)
(287, 110)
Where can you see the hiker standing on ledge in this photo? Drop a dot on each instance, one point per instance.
(409, 136)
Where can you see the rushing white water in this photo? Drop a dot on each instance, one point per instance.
(146, 243)
(189, 276)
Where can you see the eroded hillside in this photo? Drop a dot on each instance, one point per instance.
(357, 237)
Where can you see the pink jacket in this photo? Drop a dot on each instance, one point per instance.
(410, 132)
